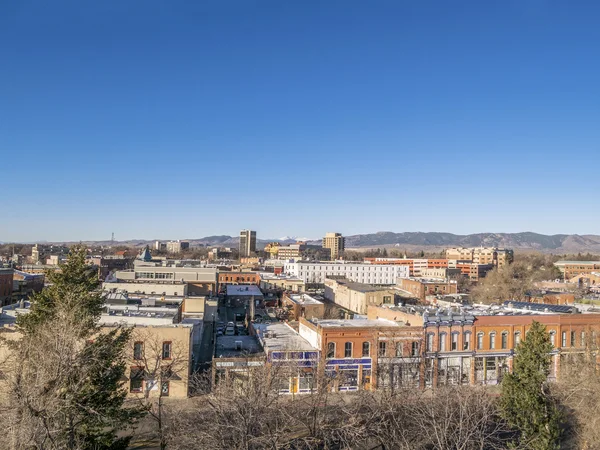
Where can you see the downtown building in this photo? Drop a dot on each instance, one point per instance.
(317, 272)
(247, 243)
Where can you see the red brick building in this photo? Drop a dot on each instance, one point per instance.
(6, 286)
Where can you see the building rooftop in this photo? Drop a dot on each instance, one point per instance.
(430, 280)
(272, 276)
(304, 299)
(279, 336)
(243, 290)
(232, 346)
(353, 323)
(577, 262)
(139, 315)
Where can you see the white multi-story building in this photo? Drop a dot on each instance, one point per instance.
(316, 272)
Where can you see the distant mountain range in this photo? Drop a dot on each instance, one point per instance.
(558, 243)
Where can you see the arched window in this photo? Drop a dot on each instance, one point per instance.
(399, 349)
(442, 342)
(348, 350)
(479, 341)
(504, 339)
(517, 337)
(382, 348)
(366, 348)
(492, 340)
(467, 340)
(429, 345)
(454, 341)
(331, 350)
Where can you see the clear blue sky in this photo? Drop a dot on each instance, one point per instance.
(156, 119)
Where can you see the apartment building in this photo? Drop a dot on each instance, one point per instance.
(473, 271)
(40, 252)
(247, 243)
(571, 269)
(356, 297)
(317, 272)
(177, 246)
(416, 267)
(336, 244)
(498, 257)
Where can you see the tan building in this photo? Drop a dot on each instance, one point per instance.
(498, 257)
(177, 246)
(335, 242)
(158, 356)
(303, 305)
(159, 361)
(269, 280)
(571, 269)
(356, 297)
(290, 251)
(422, 287)
(440, 272)
(272, 248)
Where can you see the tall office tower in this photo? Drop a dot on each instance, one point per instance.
(335, 242)
(247, 243)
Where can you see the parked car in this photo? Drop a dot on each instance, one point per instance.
(229, 331)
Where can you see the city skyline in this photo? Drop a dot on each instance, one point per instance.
(144, 118)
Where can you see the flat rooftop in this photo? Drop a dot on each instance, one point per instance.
(304, 299)
(272, 276)
(429, 280)
(237, 346)
(354, 323)
(582, 263)
(243, 290)
(278, 336)
(359, 287)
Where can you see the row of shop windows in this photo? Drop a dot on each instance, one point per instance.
(304, 381)
(492, 340)
(366, 349)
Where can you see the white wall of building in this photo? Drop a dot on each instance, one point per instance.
(310, 335)
(311, 272)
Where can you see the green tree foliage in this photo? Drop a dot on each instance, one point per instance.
(526, 403)
(65, 374)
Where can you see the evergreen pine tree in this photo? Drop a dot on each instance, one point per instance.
(67, 374)
(525, 402)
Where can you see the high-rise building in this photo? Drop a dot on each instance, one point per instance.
(247, 243)
(335, 242)
(177, 246)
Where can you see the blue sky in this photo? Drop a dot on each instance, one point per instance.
(174, 120)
